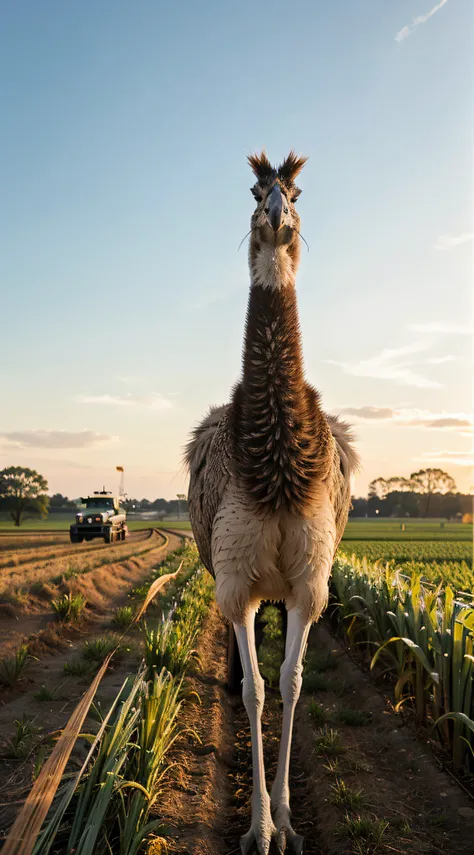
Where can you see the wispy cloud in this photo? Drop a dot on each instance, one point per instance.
(391, 364)
(368, 412)
(421, 19)
(40, 438)
(155, 401)
(414, 418)
(446, 328)
(459, 458)
(446, 242)
(439, 360)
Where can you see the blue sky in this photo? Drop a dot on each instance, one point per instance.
(125, 194)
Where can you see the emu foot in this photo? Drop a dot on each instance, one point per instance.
(261, 833)
(287, 840)
(258, 839)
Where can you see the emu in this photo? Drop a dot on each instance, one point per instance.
(269, 491)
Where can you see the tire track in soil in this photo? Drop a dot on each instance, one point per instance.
(38, 556)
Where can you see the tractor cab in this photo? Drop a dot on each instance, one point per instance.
(102, 516)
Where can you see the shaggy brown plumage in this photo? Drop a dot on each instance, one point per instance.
(281, 439)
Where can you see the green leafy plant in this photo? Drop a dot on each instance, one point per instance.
(77, 668)
(328, 741)
(346, 797)
(317, 713)
(12, 668)
(21, 743)
(69, 607)
(96, 649)
(123, 617)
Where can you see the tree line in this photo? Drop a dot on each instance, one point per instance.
(426, 493)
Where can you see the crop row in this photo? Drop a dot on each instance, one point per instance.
(111, 804)
(449, 563)
(421, 635)
(410, 550)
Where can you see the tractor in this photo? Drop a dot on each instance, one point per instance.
(102, 516)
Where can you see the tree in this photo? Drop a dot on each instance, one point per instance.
(23, 490)
(60, 501)
(429, 481)
(378, 488)
(399, 485)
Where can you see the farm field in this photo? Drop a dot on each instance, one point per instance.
(441, 552)
(360, 780)
(406, 529)
(54, 523)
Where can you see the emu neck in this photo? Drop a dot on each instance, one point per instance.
(273, 376)
(278, 428)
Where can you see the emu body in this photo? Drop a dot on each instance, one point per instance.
(269, 490)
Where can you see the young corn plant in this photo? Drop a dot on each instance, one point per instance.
(12, 668)
(425, 638)
(167, 645)
(123, 617)
(68, 607)
(106, 807)
(97, 649)
(21, 743)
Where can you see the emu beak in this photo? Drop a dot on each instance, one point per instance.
(274, 208)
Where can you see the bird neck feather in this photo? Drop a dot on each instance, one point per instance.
(279, 430)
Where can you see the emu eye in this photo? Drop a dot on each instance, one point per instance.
(267, 209)
(285, 210)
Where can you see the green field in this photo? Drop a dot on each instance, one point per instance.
(409, 550)
(403, 529)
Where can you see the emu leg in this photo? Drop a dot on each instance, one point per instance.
(290, 688)
(253, 694)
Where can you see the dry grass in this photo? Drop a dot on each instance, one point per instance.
(22, 541)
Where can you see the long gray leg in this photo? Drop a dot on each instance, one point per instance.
(253, 695)
(290, 688)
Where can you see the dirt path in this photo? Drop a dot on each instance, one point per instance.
(381, 790)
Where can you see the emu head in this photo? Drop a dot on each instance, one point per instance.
(275, 220)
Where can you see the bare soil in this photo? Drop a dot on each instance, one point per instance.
(114, 571)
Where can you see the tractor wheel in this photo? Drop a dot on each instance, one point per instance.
(108, 535)
(76, 538)
(234, 667)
